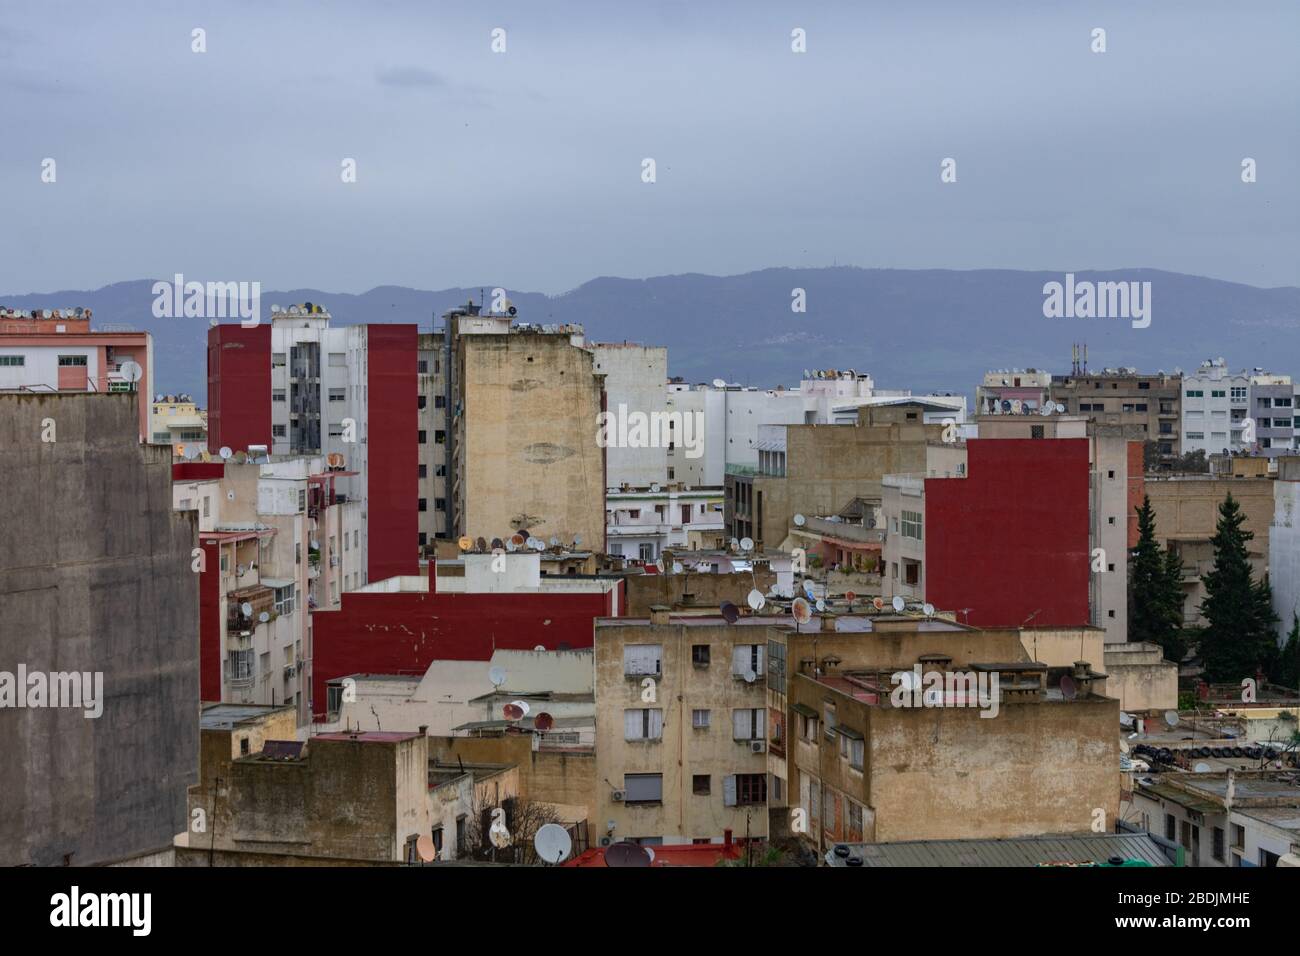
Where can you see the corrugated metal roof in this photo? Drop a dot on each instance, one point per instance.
(1029, 851)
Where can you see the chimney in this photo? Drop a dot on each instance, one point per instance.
(659, 614)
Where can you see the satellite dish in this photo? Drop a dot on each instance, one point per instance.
(480, 543)
(1015, 407)
(465, 542)
(626, 855)
(536, 544)
(878, 603)
(275, 309)
(719, 383)
(497, 546)
(927, 609)
(425, 848)
(577, 540)
(734, 544)
(750, 676)
(513, 711)
(1171, 718)
(1006, 405)
(1123, 746)
(552, 843)
(1069, 689)
(225, 453)
(756, 599)
(821, 605)
(191, 453)
(1201, 767)
(264, 617)
(1046, 409)
(850, 596)
(540, 647)
(730, 613)
(677, 567)
(799, 520)
(898, 603)
(544, 721)
(240, 458)
(746, 544)
(808, 590)
(246, 609)
(654, 486)
(800, 611)
(555, 542)
(1060, 409)
(131, 371)
(497, 675)
(522, 705)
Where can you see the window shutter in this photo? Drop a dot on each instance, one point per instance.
(740, 660)
(760, 651)
(631, 725)
(656, 724)
(729, 790)
(740, 721)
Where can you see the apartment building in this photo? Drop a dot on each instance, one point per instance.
(867, 764)
(1123, 396)
(48, 351)
(642, 522)
(818, 469)
(277, 544)
(681, 728)
(1216, 403)
(1272, 405)
(298, 386)
(1013, 391)
(1284, 545)
(433, 508)
(180, 423)
(525, 428)
(95, 585)
(634, 385)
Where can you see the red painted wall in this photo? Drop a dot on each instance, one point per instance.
(1137, 488)
(211, 625)
(198, 470)
(404, 633)
(239, 386)
(392, 514)
(1012, 537)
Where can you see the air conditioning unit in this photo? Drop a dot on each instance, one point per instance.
(619, 796)
(758, 746)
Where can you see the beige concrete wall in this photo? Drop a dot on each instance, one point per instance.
(1062, 646)
(708, 590)
(1140, 677)
(526, 446)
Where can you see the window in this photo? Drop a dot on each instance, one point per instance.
(1218, 393)
(857, 752)
(424, 471)
(1195, 393)
(338, 359)
(1281, 403)
(912, 525)
(776, 667)
(1195, 436)
(439, 401)
(1216, 845)
(421, 401)
(808, 728)
(422, 437)
(422, 504)
(1238, 394)
(744, 789)
(78, 361)
(701, 784)
(643, 724)
(642, 659)
(422, 366)
(1035, 431)
(437, 843)
(749, 724)
(828, 718)
(1171, 827)
(334, 698)
(279, 431)
(1238, 836)
(440, 437)
(700, 719)
(241, 665)
(747, 659)
(643, 787)
(284, 599)
(646, 551)
(855, 822)
(700, 655)
(338, 394)
(336, 431)
(277, 360)
(12, 360)
(277, 395)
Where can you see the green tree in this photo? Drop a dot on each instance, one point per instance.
(1239, 636)
(1288, 664)
(1155, 590)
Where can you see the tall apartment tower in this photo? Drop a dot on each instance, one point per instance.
(1123, 396)
(525, 406)
(433, 369)
(1272, 405)
(301, 387)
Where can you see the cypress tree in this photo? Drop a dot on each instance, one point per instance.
(1239, 636)
(1155, 590)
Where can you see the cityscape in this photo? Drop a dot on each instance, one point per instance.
(735, 566)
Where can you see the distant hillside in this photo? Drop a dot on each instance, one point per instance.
(923, 329)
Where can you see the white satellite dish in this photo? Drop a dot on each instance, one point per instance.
(677, 567)
(1201, 767)
(756, 599)
(225, 452)
(719, 383)
(552, 843)
(131, 371)
(1046, 410)
(821, 605)
(1060, 409)
(750, 677)
(799, 520)
(746, 544)
(264, 617)
(522, 705)
(191, 453)
(246, 609)
(275, 309)
(1123, 746)
(899, 603)
(497, 675)
(654, 486)
(927, 609)
(1171, 718)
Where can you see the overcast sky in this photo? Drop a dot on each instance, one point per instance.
(523, 169)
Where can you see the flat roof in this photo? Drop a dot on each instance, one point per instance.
(225, 716)
(844, 623)
(370, 736)
(1027, 851)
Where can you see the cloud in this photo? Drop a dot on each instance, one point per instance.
(409, 77)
